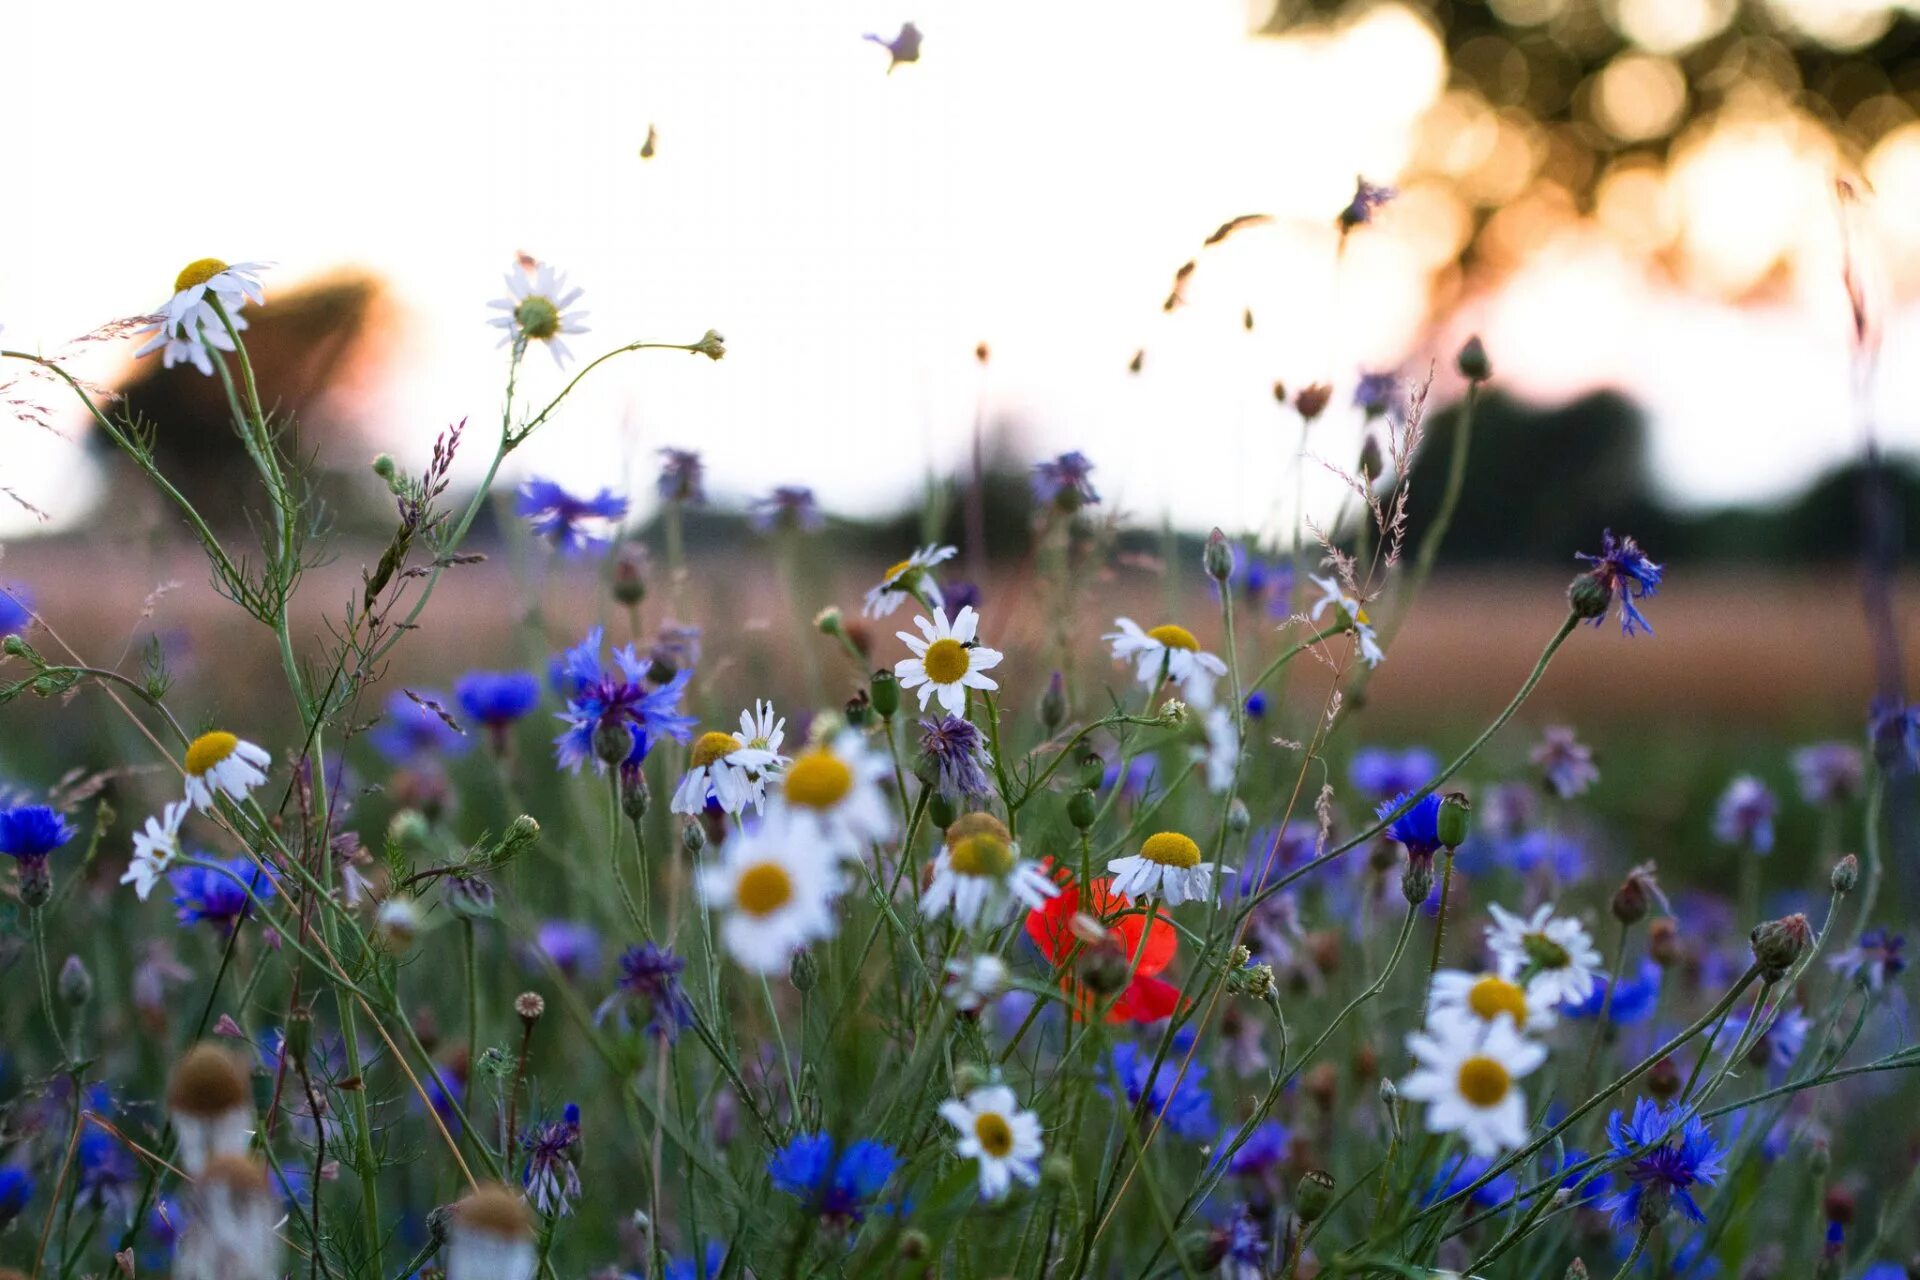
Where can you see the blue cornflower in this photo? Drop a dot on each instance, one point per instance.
(446, 1094)
(1584, 1184)
(954, 758)
(1268, 583)
(1367, 198)
(16, 1189)
(837, 1183)
(1462, 1173)
(108, 1177)
(1064, 482)
(1241, 1245)
(1885, 1271)
(1633, 998)
(15, 608)
(1893, 732)
(571, 524)
(615, 707)
(1382, 771)
(1745, 814)
(682, 477)
(1559, 852)
(1623, 572)
(1187, 1106)
(791, 506)
(28, 833)
(497, 698)
(414, 727)
(217, 895)
(1876, 958)
(573, 947)
(1262, 1152)
(1256, 705)
(961, 595)
(1374, 392)
(651, 974)
(1830, 773)
(551, 1179)
(1418, 828)
(1139, 779)
(1775, 1047)
(709, 1263)
(1661, 1167)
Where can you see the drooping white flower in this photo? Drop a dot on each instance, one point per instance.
(1222, 751)
(1165, 653)
(946, 660)
(1554, 954)
(996, 1132)
(975, 981)
(230, 1224)
(979, 874)
(775, 881)
(1466, 1071)
(155, 848)
(188, 323)
(733, 769)
(836, 791)
(1168, 866)
(1487, 997)
(1352, 612)
(912, 576)
(537, 309)
(219, 763)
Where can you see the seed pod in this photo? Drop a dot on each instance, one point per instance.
(1081, 809)
(884, 690)
(1472, 361)
(1314, 1195)
(1452, 821)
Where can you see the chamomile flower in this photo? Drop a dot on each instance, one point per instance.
(836, 791)
(980, 872)
(155, 848)
(1222, 753)
(189, 323)
(1554, 957)
(946, 660)
(537, 310)
(997, 1133)
(1167, 653)
(732, 769)
(219, 763)
(975, 981)
(1168, 866)
(776, 883)
(910, 579)
(1488, 997)
(1352, 613)
(1466, 1072)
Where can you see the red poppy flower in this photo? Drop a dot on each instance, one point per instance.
(1147, 998)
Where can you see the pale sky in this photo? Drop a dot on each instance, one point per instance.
(1032, 182)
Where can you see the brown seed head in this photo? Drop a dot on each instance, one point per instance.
(207, 1081)
(494, 1209)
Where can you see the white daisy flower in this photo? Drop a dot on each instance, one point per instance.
(997, 1133)
(947, 661)
(911, 576)
(836, 791)
(1222, 751)
(188, 324)
(976, 981)
(155, 848)
(1552, 957)
(1168, 866)
(1465, 1071)
(219, 763)
(490, 1236)
(196, 350)
(537, 305)
(776, 884)
(733, 769)
(1167, 652)
(1487, 997)
(980, 873)
(1346, 608)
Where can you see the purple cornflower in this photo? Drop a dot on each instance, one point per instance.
(28, 833)
(1507, 809)
(551, 1178)
(704, 1264)
(1418, 828)
(1745, 814)
(1830, 772)
(1621, 572)
(961, 595)
(682, 477)
(1660, 1167)
(571, 524)
(1064, 482)
(497, 698)
(1367, 198)
(1269, 583)
(614, 714)
(838, 1184)
(1240, 1245)
(791, 506)
(1893, 731)
(650, 974)
(414, 726)
(1462, 1173)
(218, 894)
(1382, 771)
(16, 1189)
(109, 1179)
(1262, 1153)
(1373, 393)
(954, 759)
(676, 647)
(1564, 762)
(1876, 958)
(1139, 779)
(573, 947)
(1185, 1105)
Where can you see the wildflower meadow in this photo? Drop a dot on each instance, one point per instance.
(887, 937)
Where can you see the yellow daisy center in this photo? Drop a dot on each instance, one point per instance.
(199, 271)
(208, 750)
(977, 824)
(1171, 849)
(713, 746)
(898, 571)
(1174, 637)
(1491, 997)
(1483, 1081)
(994, 1134)
(763, 889)
(981, 855)
(819, 780)
(537, 317)
(946, 661)
(1360, 616)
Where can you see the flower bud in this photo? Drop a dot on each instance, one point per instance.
(1472, 361)
(612, 742)
(629, 583)
(1633, 899)
(1053, 705)
(1057, 1170)
(517, 839)
(711, 345)
(1576, 1270)
(1104, 969)
(1372, 461)
(693, 838)
(469, 897)
(1589, 597)
(828, 622)
(859, 709)
(803, 971)
(383, 466)
(397, 924)
(1239, 821)
(1093, 769)
(409, 830)
(1217, 559)
(75, 984)
(1452, 820)
(914, 1245)
(1312, 401)
(941, 811)
(1663, 942)
(1777, 944)
(884, 690)
(634, 794)
(1081, 809)
(1416, 880)
(1663, 1079)
(1314, 1195)
(1846, 874)
(298, 1036)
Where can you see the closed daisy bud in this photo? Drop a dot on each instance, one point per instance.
(490, 1236)
(231, 1233)
(828, 622)
(210, 1106)
(518, 839)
